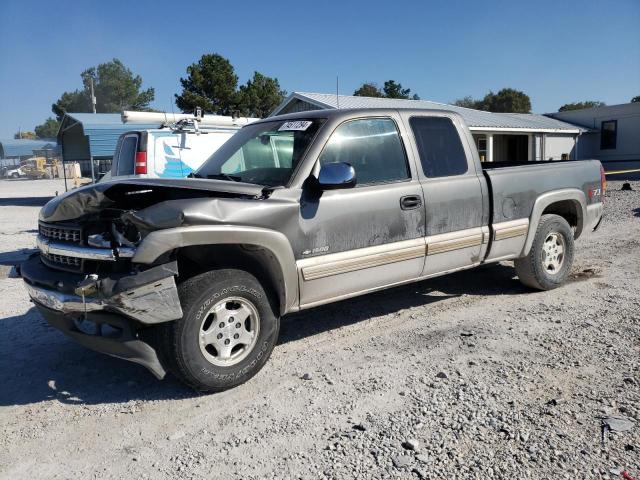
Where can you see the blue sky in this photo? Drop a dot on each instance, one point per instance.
(555, 51)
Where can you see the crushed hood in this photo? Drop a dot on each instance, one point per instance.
(133, 193)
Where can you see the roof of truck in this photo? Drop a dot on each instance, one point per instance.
(475, 119)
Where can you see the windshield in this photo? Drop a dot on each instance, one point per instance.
(262, 153)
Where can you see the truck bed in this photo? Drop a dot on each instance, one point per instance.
(515, 186)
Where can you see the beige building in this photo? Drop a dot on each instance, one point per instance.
(499, 136)
(613, 135)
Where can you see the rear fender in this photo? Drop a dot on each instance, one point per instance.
(549, 198)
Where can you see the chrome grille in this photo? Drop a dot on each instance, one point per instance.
(65, 234)
(71, 263)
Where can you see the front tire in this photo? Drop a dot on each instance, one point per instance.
(549, 261)
(226, 334)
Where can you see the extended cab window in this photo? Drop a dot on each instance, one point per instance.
(264, 153)
(439, 146)
(373, 148)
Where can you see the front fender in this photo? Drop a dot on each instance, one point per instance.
(162, 241)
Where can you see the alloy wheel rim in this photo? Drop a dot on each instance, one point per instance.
(229, 331)
(553, 250)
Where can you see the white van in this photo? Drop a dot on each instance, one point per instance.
(173, 151)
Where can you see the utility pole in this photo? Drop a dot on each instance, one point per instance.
(93, 97)
(93, 105)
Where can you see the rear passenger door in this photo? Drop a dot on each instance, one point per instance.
(455, 235)
(369, 236)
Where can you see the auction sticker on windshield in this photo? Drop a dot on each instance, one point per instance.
(297, 125)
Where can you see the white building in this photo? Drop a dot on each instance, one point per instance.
(614, 134)
(498, 136)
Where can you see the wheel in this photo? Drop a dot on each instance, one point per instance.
(549, 261)
(226, 334)
(14, 175)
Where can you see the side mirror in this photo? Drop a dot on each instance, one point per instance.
(337, 175)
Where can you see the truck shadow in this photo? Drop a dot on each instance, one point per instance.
(17, 256)
(40, 364)
(494, 279)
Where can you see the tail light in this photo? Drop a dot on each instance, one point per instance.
(141, 163)
(603, 183)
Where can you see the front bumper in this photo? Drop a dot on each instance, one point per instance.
(106, 314)
(148, 297)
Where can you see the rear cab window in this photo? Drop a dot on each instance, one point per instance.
(126, 155)
(439, 146)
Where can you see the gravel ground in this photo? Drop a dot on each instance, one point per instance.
(465, 376)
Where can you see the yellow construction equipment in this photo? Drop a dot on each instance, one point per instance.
(39, 167)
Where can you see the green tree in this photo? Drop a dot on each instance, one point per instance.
(368, 89)
(466, 102)
(116, 89)
(49, 129)
(506, 100)
(580, 105)
(76, 101)
(24, 136)
(259, 96)
(635, 99)
(210, 84)
(392, 89)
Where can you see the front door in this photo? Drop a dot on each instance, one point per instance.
(369, 236)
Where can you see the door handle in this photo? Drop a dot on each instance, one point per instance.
(410, 202)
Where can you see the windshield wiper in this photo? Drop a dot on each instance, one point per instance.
(225, 176)
(194, 175)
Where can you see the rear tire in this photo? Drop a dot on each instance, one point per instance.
(549, 261)
(226, 334)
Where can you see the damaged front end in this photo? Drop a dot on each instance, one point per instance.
(84, 282)
(106, 313)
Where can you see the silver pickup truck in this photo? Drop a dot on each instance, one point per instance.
(192, 275)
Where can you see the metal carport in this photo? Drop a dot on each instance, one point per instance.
(87, 137)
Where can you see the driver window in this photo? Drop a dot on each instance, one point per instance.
(372, 147)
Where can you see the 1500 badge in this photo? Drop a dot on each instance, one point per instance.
(316, 250)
